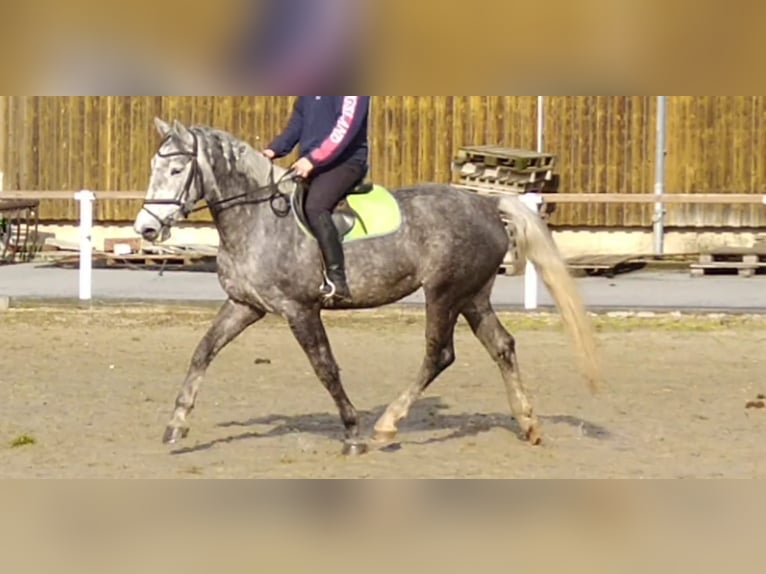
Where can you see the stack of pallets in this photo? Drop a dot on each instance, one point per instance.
(497, 170)
(491, 170)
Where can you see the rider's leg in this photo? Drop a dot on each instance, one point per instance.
(326, 190)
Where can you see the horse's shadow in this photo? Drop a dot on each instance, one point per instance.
(426, 416)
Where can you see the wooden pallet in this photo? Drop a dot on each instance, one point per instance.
(493, 187)
(502, 174)
(729, 260)
(675, 262)
(186, 262)
(146, 261)
(519, 160)
(724, 268)
(605, 265)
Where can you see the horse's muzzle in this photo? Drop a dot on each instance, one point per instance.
(150, 234)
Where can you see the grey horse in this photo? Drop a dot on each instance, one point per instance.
(450, 243)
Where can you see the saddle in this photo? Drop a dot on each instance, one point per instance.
(344, 216)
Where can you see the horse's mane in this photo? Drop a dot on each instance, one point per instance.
(236, 163)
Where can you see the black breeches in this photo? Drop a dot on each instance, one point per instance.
(329, 188)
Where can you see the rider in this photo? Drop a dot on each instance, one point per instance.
(333, 135)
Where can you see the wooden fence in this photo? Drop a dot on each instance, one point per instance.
(605, 144)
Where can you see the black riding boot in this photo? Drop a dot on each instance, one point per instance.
(332, 251)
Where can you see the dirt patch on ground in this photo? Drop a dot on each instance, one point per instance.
(87, 394)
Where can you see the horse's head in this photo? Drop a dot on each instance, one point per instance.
(176, 184)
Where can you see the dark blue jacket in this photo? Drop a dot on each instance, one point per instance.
(329, 129)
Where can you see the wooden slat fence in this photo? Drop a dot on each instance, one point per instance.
(605, 144)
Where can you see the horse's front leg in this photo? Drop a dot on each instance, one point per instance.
(232, 320)
(308, 329)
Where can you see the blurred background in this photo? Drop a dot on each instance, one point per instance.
(270, 47)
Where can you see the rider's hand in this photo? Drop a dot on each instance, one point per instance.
(303, 167)
(269, 153)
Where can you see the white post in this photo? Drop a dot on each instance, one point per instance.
(531, 278)
(533, 201)
(86, 199)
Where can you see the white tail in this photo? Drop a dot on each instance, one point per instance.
(535, 243)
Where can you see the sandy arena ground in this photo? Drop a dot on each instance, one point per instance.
(92, 390)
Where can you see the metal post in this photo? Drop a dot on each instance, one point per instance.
(86, 199)
(659, 185)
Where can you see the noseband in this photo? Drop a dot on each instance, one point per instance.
(187, 203)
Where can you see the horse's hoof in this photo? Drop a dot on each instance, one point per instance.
(355, 449)
(174, 435)
(385, 438)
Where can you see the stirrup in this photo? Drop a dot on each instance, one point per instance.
(328, 285)
(333, 290)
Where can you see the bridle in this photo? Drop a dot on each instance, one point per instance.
(188, 204)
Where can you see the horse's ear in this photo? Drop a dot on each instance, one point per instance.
(183, 133)
(163, 127)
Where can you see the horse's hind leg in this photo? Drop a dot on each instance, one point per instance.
(232, 320)
(502, 347)
(441, 319)
(310, 333)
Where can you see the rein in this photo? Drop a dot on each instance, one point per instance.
(272, 199)
(188, 205)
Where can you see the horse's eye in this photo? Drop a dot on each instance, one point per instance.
(176, 172)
